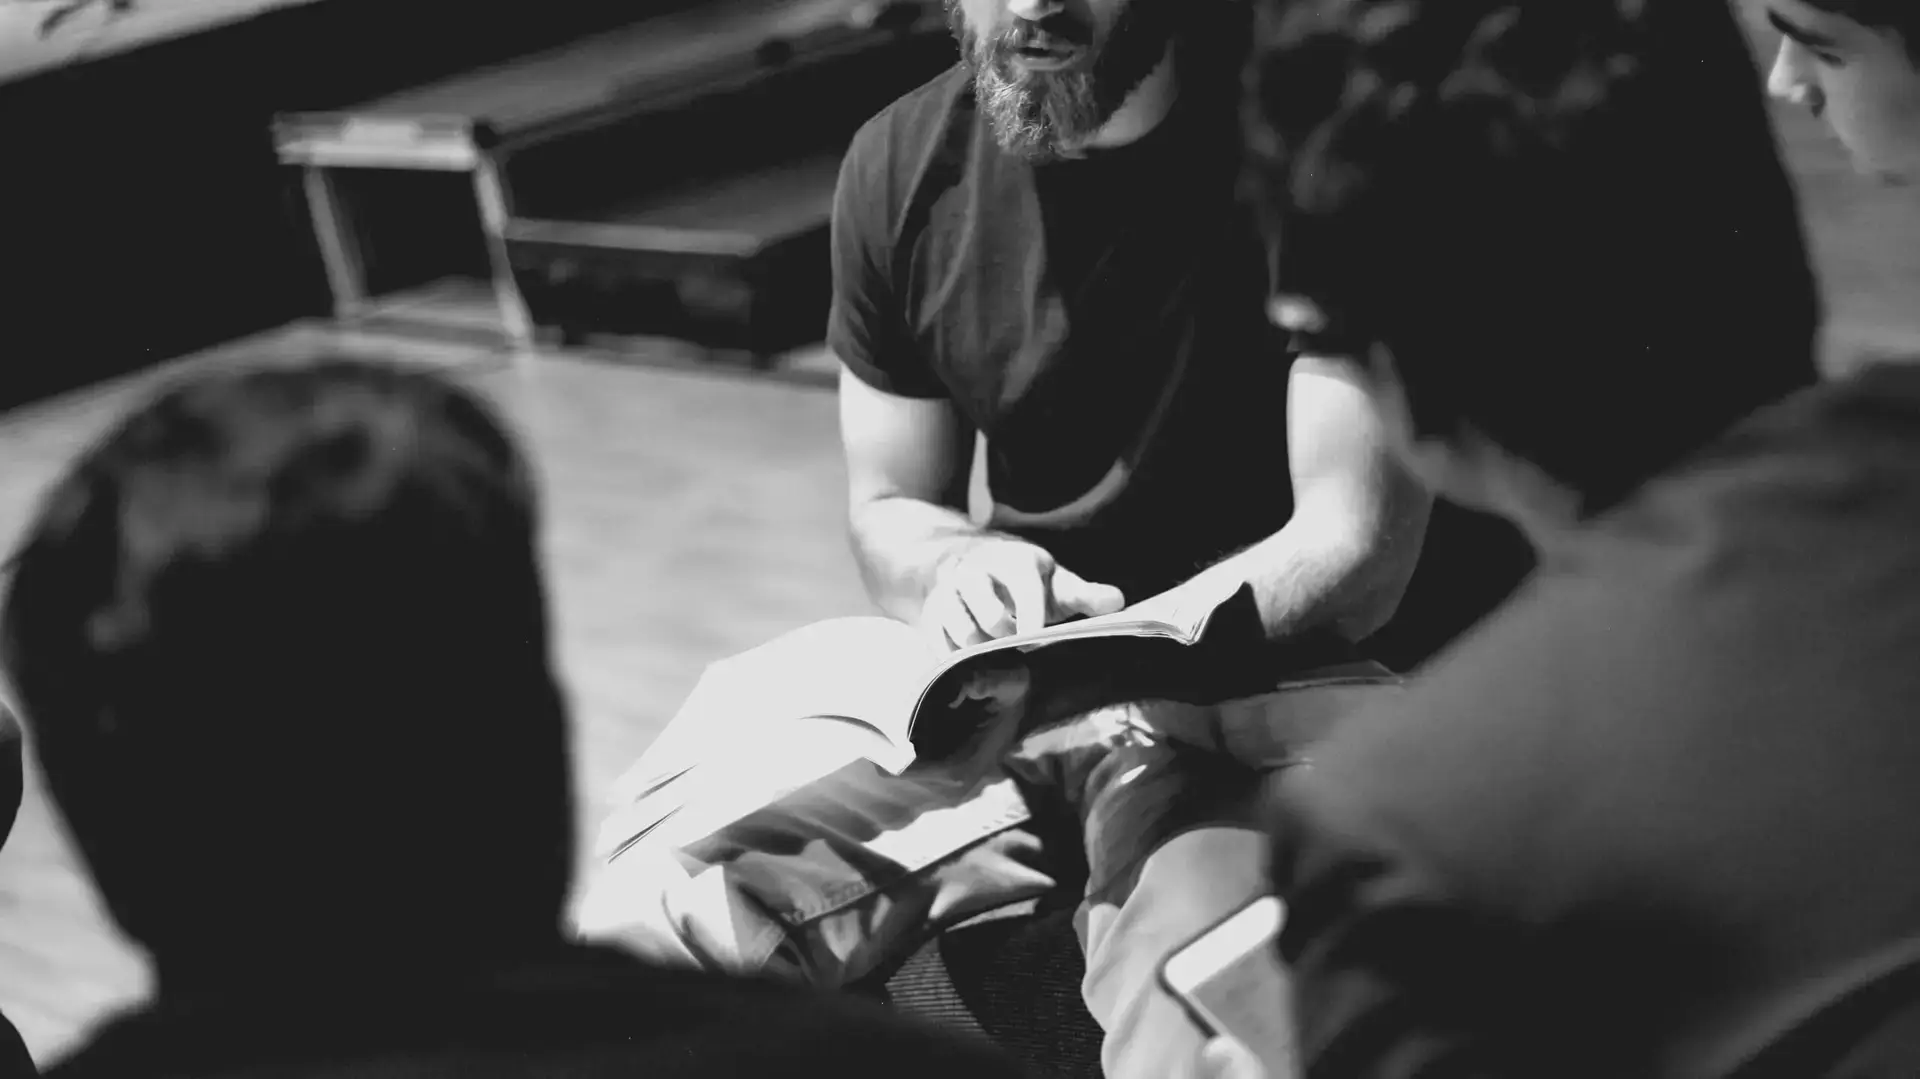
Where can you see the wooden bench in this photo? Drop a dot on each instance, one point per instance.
(487, 123)
(708, 223)
(740, 263)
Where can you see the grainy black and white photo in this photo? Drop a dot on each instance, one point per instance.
(1071, 539)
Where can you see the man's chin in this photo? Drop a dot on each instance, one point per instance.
(1037, 147)
(1025, 128)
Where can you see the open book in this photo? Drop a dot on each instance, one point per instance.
(760, 725)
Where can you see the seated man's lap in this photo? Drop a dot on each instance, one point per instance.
(828, 884)
(1190, 881)
(1174, 843)
(850, 873)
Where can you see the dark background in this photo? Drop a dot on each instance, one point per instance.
(145, 212)
(145, 215)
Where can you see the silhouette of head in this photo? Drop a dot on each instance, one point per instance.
(282, 640)
(1561, 226)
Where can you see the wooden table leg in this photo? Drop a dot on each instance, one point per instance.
(494, 212)
(339, 246)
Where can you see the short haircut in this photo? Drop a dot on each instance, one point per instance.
(281, 638)
(1567, 219)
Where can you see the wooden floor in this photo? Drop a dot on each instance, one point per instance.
(692, 515)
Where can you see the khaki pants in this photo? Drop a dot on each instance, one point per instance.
(1154, 805)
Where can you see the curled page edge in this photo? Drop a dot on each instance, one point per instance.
(1187, 621)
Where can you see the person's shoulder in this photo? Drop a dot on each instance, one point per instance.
(1709, 565)
(1873, 377)
(728, 1025)
(1530, 675)
(1841, 454)
(892, 152)
(904, 129)
(595, 1013)
(719, 1025)
(850, 1034)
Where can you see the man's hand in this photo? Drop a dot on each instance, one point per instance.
(998, 586)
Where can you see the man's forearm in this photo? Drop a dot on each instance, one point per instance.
(1309, 576)
(1300, 582)
(901, 543)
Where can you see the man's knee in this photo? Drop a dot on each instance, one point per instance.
(823, 886)
(653, 903)
(1188, 884)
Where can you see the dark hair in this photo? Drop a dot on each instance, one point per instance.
(282, 640)
(1566, 219)
(1900, 16)
(1212, 44)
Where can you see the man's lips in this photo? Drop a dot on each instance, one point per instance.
(1044, 55)
(1042, 61)
(1045, 42)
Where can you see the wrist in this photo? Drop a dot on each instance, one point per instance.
(953, 547)
(1219, 579)
(956, 546)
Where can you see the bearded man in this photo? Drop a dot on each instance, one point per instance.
(1042, 246)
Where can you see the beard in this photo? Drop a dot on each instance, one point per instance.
(1044, 115)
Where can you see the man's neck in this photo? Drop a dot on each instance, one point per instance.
(1143, 110)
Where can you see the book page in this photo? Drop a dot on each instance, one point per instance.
(974, 675)
(767, 722)
(869, 671)
(782, 759)
(1189, 608)
(1181, 615)
(763, 723)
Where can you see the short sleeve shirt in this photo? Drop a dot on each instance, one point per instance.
(1099, 319)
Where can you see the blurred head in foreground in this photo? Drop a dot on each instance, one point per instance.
(282, 640)
(1855, 64)
(1558, 231)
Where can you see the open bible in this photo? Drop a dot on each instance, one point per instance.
(766, 722)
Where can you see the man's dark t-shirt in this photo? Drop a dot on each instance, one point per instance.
(1102, 321)
(1099, 319)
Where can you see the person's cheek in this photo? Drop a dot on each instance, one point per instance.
(1874, 107)
(1854, 130)
(1902, 123)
